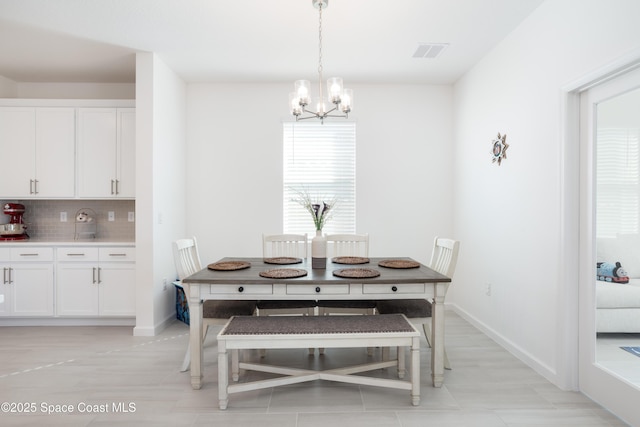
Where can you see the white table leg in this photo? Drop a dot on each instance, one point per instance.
(223, 374)
(195, 337)
(437, 339)
(415, 372)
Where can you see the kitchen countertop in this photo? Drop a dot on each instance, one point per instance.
(92, 242)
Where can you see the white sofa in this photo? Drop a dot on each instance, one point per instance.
(618, 305)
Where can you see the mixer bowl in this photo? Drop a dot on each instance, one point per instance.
(11, 229)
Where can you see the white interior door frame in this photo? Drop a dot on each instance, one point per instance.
(577, 299)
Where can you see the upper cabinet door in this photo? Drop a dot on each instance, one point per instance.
(126, 152)
(55, 152)
(17, 144)
(97, 152)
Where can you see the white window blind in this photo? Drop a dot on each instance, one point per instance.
(617, 182)
(319, 159)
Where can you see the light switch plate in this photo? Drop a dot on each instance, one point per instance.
(131, 217)
(112, 216)
(63, 217)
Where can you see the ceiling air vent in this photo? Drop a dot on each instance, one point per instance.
(429, 50)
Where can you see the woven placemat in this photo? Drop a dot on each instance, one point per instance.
(357, 273)
(398, 263)
(283, 273)
(350, 260)
(229, 265)
(283, 260)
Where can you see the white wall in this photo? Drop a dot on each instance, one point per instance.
(49, 90)
(235, 166)
(160, 188)
(509, 217)
(76, 90)
(8, 88)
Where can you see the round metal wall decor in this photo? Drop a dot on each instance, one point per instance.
(499, 149)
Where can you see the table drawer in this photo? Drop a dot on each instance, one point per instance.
(77, 254)
(317, 289)
(402, 288)
(238, 289)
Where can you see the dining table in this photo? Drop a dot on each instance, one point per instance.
(379, 278)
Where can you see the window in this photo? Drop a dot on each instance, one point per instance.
(319, 159)
(618, 176)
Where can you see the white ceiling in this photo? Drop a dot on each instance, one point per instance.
(365, 41)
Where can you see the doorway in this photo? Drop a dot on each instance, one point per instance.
(601, 229)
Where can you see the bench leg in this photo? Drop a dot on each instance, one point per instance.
(235, 370)
(415, 372)
(223, 374)
(401, 364)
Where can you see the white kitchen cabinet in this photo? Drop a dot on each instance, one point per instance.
(27, 282)
(39, 149)
(94, 281)
(106, 152)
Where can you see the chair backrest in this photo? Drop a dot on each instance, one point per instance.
(186, 257)
(348, 245)
(444, 256)
(284, 245)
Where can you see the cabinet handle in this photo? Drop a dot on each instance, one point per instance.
(112, 182)
(30, 186)
(76, 254)
(36, 254)
(117, 254)
(94, 276)
(10, 279)
(35, 186)
(99, 278)
(117, 186)
(4, 276)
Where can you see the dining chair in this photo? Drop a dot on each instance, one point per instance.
(444, 258)
(293, 246)
(347, 245)
(285, 245)
(187, 261)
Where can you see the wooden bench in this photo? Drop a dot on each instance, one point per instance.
(280, 332)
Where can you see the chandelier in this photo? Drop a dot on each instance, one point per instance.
(342, 99)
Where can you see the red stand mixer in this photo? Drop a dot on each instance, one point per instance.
(15, 229)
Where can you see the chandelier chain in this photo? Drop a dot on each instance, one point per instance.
(320, 51)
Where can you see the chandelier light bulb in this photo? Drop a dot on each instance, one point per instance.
(294, 103)
(334, 84)
(303, 88)
(347, 101)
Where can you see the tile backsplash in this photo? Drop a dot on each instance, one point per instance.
(42, 218)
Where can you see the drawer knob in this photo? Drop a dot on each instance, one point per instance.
(318, 289)
(241, 289)
(394, 288)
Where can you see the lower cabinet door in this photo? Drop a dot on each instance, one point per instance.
(117, 289)
(32, 289)
(77, 290)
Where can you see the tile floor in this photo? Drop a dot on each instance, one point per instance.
(109, 377)
(619, 362)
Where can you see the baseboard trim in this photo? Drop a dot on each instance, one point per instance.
(152, 331)
(67, 321)
(541, 368)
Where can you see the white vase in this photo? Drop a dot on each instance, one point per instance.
(319, 251)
